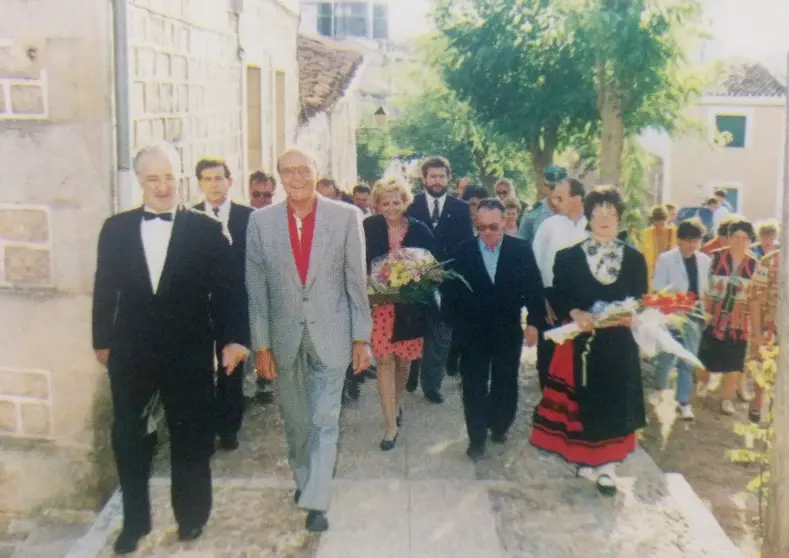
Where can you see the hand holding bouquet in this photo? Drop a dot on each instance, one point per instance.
(407, 275)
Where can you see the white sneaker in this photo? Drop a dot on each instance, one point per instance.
(745, 392)
(686, 412)
(702, 390)
(727, 407)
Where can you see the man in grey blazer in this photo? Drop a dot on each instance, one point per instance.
(683, 269)
(309, 318)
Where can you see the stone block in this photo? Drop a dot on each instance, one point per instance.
(174, 129)
(163, 65)
(145, 62)
(2, 101)
(166, 93)
(138, 98)
(21, 61)
(24, 383)
(8, 419)
(157, 129)
(27, 266)
(183, 98)
(27, 99)
(30, 225)
(35, 420)
(180, 68)
(151, 98)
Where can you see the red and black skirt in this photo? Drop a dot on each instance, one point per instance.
(593, 401)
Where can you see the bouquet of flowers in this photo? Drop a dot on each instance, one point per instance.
(407, 275)
(652, 322)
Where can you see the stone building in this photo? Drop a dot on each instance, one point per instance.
(215, 77)
(329, 82)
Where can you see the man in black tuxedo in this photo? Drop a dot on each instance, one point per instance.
(213, 176)
(163, 293)
(449, 219)
(503, 276)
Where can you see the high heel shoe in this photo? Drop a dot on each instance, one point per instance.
(388, 445)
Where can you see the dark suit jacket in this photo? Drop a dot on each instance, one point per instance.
(237, 225)
(175, 327)
(488, 305)
(376, 236)
(454, 226)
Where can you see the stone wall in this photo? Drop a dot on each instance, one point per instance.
(55, 190)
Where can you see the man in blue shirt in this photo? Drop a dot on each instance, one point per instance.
(542, 208)
(487, 322)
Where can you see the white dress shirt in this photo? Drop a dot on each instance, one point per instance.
(223, 216)
(155, 241)
(719, 215)
(555, 233)
(431, 200)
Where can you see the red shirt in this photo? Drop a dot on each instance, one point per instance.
(302, 248)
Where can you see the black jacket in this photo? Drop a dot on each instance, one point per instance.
(237, 226)
(494, 304)
(376, 237)
(454, 226)
(193, 306)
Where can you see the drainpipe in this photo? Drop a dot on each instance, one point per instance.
(124, 181)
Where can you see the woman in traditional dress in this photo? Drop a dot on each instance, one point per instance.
(593, 401)
(727, 304)
(397, 329)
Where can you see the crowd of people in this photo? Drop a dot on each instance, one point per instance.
(188, 299)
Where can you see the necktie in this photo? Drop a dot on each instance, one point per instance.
(216, 212)
(150, 216)
(436, 213)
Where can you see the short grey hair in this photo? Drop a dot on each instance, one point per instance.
(164, 148)
(303, 152)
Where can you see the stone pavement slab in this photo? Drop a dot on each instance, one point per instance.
(426, 499)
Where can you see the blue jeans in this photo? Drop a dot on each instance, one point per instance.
(690, 337)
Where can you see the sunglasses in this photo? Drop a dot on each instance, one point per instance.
(495, 227)
(264, 195)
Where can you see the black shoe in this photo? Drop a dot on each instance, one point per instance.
(498, 437)
(606, 485)
(389, 445)
(353, 389)
(296, 496)
(399, 419)
(127, 541)
(476, 452)
(317, 522)
(228, 442)
(189, 533)
(434, 397)
(412, 383)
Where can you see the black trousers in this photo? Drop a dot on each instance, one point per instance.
(186, 393)
(489, 363)
(229, 402)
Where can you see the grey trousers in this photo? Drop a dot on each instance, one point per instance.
(310, 395)
(435, 353)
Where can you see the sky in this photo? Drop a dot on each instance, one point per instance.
(757, 29)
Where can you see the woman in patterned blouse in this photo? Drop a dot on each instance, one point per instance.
(593, 401)
(724, 341)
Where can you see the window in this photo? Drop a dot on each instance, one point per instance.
(380, 21)
(325, 20)
(350, 19)
(734, 126)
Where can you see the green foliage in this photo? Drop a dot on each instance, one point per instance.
(436, 122)
(374, 150)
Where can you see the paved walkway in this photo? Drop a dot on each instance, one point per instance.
(426, 499)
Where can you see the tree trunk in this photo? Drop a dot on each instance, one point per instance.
(776, 538)
(542, 151)
(612, 140)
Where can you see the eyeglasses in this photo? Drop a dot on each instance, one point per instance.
(303, 170)
(495, 227)
(264, 195)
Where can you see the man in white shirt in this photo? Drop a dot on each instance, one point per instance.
(214, 178)
(683, 269)
(719, 210)
(162, 296)
(565, 228)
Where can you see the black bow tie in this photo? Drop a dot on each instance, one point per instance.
(149, 216)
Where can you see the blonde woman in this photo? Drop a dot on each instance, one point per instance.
(512, 212)
(397, 328)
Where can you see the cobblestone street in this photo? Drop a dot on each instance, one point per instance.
(427, 499)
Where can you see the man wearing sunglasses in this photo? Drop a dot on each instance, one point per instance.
(504, 278)
(261, 189)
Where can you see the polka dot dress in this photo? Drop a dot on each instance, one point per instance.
(383, 326)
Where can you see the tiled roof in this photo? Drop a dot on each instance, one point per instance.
(326, 70)
(747, 79)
